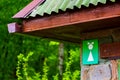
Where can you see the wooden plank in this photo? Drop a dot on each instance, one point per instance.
(110, 50)
(76, 25)
(114, 69)
(75, 17)
(96, 13)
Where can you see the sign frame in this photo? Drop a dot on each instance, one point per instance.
(90, 52)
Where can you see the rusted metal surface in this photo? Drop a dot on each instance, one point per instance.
(110, 50)
(14, 27)
(28, 9)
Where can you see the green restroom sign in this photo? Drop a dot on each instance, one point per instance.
(90, 52)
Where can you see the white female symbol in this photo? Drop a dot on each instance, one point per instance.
(90, 47)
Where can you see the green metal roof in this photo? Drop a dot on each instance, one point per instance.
(50, 6)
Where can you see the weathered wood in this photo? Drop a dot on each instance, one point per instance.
(105, 70)
(96, 34)
(14, 27)
(116, 34)
(76, 25)
(114, 68)
(110, 50)
(84, 72)
(61, 58)
(74, 17)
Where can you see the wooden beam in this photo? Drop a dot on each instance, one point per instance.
(96, 34)
(14, 27)
(76, 25)
(77, 16)
(75, 36)
(114, 70)
(110, 50)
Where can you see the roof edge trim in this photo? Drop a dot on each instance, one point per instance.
(28, 9)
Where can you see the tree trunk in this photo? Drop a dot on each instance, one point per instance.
(61, 56)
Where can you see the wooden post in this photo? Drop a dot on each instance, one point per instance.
(61, 56)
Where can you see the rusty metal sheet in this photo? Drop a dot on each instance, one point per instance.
(110, 50)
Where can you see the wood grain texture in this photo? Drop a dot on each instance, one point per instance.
(114, 68)
(110, 50)
(79, 24)
(75, 17)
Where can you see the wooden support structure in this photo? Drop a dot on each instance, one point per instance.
(110, 50)
(100, 22)
(61, 58)
(14, 27)
(109, 64)
(76, 25)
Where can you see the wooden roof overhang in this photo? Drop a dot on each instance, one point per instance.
(78, 24)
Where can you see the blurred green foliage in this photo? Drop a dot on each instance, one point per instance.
(26, 72)
(11, 45)
(118, 69)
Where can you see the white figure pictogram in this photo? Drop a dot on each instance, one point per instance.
(90, 47)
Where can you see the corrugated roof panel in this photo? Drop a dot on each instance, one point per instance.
(50, 6)
(56, 7)
(112, 0)
(94, 2)
(43, 7)
(71, 4)
(78, 3)
(64, 5)
(48, 9)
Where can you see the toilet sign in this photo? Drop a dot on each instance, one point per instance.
(90, 52)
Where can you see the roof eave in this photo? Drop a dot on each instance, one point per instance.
(28, 9)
